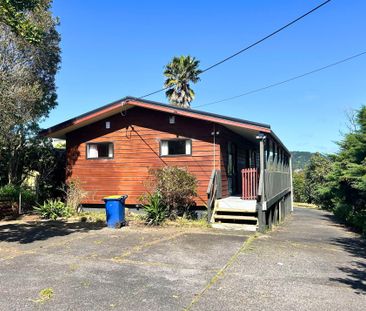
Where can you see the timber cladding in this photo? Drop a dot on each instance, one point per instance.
(136, 139)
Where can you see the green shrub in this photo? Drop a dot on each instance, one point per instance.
(11, 192)
(177, 188)
(355, 219)
(358, 220)
(53, 209)
(156, 212)
(342, 212)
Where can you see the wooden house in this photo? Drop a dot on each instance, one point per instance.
(242, 167)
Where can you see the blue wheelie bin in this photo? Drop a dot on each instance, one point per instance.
(115, 210)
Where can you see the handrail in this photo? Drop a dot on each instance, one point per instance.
(212, 191)
(213, 174)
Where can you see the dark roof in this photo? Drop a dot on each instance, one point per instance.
(204, 113)
(70, 122)
(127, 98)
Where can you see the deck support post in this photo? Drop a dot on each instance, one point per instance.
(278, 213)
(261, 212)
(291, 187)
(270, 217)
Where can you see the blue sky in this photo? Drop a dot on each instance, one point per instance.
(111, 49)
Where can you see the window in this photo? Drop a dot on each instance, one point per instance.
(171, 119)
(175, 147)
(99, 151)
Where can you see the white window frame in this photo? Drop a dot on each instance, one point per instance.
(164, 147)
(92, 145)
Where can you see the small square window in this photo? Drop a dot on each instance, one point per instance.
(175, 147)
(99, 151)
(172, 120)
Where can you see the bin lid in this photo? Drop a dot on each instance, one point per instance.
(116, 197)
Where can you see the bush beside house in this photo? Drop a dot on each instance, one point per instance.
(171, 194)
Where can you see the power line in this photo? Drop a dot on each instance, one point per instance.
(267, 37)
(251, 45)
(284, 81)
(152, 93)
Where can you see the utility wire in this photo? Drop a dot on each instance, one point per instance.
(250, 46)
(267, 37)
(152, 93)
(284, 81)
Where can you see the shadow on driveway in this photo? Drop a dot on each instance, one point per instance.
(356, 276)
(24, 233)
(356, 247)
(356, 272)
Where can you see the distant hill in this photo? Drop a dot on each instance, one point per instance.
(300, 159)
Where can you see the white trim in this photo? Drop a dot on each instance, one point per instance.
(164, 148)
(92, 151)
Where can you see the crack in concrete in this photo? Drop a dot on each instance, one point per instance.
(144, 246)
(216, 277)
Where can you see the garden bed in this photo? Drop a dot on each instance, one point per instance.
(132, 219)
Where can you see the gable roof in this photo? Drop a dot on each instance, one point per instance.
(61, 129)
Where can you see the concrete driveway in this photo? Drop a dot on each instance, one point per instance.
(308, 263)
(93, 268)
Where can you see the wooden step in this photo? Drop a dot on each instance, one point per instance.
(242, 227)
(233, 210)
(235, 217)
(237, 203)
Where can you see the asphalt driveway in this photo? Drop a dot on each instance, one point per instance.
(308, 263)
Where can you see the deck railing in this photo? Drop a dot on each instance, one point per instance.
(277, 185)
(250, 181)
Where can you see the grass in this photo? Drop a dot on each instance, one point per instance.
(85, 283)
(139, 220)
(305, 205)
(44, 295)
(135, 218)
(187, 223)
(92, 217)
(101, 217)
(73, 267)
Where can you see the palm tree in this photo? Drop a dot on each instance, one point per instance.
(179, 73)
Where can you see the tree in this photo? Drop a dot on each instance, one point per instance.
(14, 13)
(27, 91)
(179, 73)
(315, 174)
(338, 182)
(346, 182)
(299, 186)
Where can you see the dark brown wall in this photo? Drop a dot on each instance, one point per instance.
(136, 137)
(136, 149)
